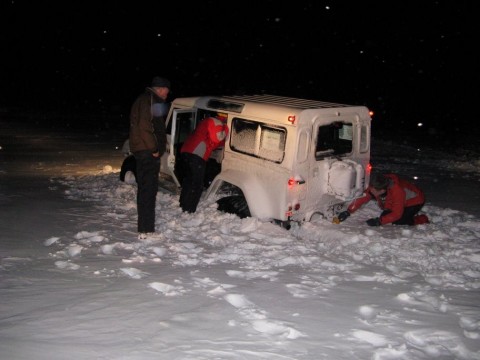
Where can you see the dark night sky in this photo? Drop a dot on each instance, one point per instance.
(408, 61)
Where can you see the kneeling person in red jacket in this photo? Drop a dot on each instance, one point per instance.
(399, 199)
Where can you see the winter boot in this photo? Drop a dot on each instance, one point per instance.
(420, 219)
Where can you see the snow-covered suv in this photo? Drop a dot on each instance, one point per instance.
(285, 159)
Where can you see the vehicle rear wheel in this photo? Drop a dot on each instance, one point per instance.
(284, 224)
(235, 204)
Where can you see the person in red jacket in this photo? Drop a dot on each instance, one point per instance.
(210, 134)
(399, 199)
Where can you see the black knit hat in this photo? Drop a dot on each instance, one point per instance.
(379, 182)
(158, 81)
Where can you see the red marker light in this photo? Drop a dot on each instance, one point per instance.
(291, 119)
(295, 180)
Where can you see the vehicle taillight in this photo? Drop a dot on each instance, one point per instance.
(297, 179)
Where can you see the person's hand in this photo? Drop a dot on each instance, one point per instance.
(343, 216)
(156, 154)
(374, 222)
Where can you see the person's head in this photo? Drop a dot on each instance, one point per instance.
(160, 109)
(161, 86)
(379, 182)
(222, 117)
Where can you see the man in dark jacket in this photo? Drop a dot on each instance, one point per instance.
(147, 143)
(399, 199)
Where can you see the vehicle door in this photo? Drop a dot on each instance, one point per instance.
(337, 177)
(182, 123)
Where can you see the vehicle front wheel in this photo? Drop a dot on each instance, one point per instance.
(129, 170)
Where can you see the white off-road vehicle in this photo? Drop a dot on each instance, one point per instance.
(285, 159)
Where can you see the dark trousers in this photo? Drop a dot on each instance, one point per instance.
(148, 168)
(193, 171)
(407, 216)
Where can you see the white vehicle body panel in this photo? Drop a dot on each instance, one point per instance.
(275, 155)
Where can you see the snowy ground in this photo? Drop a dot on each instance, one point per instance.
(75, 283)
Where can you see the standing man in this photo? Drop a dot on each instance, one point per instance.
(210, 133)
(147, 143)
(399, 200)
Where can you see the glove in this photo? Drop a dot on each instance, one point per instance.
(374, 222)
(343, 216)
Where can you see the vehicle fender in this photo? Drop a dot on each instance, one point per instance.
(256, 197)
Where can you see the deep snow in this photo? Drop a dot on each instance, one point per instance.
(75, 283)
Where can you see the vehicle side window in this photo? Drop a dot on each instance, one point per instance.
(334, 139)
(303, 146)
(184, 126)
(258, 139)
(364, 143)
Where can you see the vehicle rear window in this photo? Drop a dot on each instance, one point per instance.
(334, 139)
